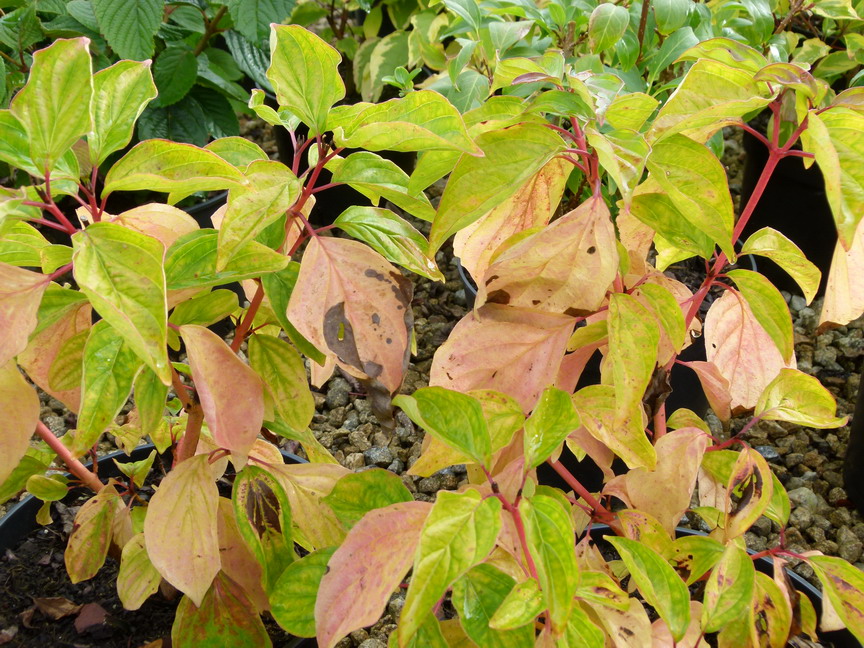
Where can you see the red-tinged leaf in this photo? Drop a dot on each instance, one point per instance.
(843, 585)
(366, 569)
(20, 295)
(693, 638)
(225, 618)
(352, 302)
(231, 393)
(20, 405)
(844, 292)
(138, 578)
(511, 350)
(752, 477)
(729, 591)
(665, 491)
(47, 350)
(163, 222)
(742, 351)
(91, 535)
(715, 386)
(238, 561)
(565, 267)
(180, 530)
(630, 628)
(533, 205)
(91, 617)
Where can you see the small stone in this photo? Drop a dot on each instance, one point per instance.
(336, 417)
(816, 534)
(762, 527)
(801, 518)
(352, 420)
(797, 303)
(380, 439)
(56, 424)
(793, 459)
(429, 484)
(850, 347)
(786, 296)
(359, 636)
(827, 547)
(359, 440)
(56, 405)
(804, 497)
(841, 517)
(354, 461)
(398, 466)
(825, 357)
(345, 642)
(808, 319)
(394, 607)
(768, 452)
(338, 393)
(376, 456)
(319, 399)
(755, 542)
(850, 546)
(836, 495)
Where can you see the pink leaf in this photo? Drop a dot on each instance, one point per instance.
(716, 387)
(231, 393)
(512, 350)
(20, 295)
(20, 406)
(844, 292)
(163, 222)
(365, 570)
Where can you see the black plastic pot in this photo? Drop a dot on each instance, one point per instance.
(837, 639)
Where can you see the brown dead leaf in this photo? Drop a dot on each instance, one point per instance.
(8, 634)
(56, 607)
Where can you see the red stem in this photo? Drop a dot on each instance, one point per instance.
(189, 443)
(243, 328)
(601, 511)
(520, 531)
(78, 469)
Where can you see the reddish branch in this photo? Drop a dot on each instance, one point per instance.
(75, 467)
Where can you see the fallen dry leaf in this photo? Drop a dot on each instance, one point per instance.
(56, 607)
(8, 634)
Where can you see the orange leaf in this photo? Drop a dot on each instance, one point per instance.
(365, 570)
(20, 295)
(716, 387)
(512, 350)
(163, 222)
(20, 405)
(231, 393)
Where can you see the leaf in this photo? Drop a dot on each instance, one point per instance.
(498, 348)
(303, 71)
(175, 73)
(729, 590)
(121, 273)
(752, 477)
(581, 631)
(774, 245)
(180, 528)
(391, 236)
(366, 568)
(292, 601)
(715, 386)
(237, 151)
(20, 404)
(160, 165)
(550, 536)
(284, 375)
(252, 18)
(658, 583)
(670, 15)
(162, 222)
(375, 177)
(224, 618)
(552, 420)
(459, 532)
(20, 294)
(622, 155)
(137, 578)
(22, 244)
(843, 584)
(566, 267)
(838, 144)
(606, 26)
(184, 121)
(191, 262)
(520, 607)
(768, 306)
(659, 212)
(796, 397)
(91, 535)
(231, 393)
(600, 587)
(420, 121)
(120, 94)
(844, 292)
(630, 111)
(129, 25)
(355, 495)
(479, 184)
(351, 301)
(476, 596)
(278, 287)
(110, 366)
(680, 165)
(54, 106)
(742, 351)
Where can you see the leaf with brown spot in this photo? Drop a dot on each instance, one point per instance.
(729, 590)
(629, 628)
(843, 584)
(20, 295)
(569, 264)
(752, 476)
(515, 351)
(772, 612)
(366, 568)
(350, 301)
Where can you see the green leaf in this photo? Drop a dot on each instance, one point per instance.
(375, 177)
(550, 535)
(120, 271)
(393, 237)
(91, 534)
(15, 151)
(503, 416)
(658, 583)
(768, 307)
(206, 309)
(622, 155)
(459, 532)
(599, 587)
(476, 597)
(356, 494)
(54, 106)
(175, 72)
(292, 601)
(607, 25)
(22, 244)
(252, 18)
(670, 14)
(129, 25)
(264, 519)
(478, 184)
(137, 578)
(284, 374)
(796, 397)
(774, 245)
(697, 184)
(120, 94)
(183, 121)
(630, 111)
(520, 607)
(676, 44)
(659, 212)
(420, 121)
(552, 420)
(668, 312)
(303, 71)
(150, 396)
(730, 52)
(110, 366)
(47, 488)
(137, 471)
(843, 584)
(219, 112)
(158, 165)
(695, 555)
(729, 590)
(454, 418)
(581, 632)
(283, 117)
(237, 151)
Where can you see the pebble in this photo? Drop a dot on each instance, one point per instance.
(56, 424)
(338, 393)
(429, 484)
(850, 546)
(377, 456)
(354, 461)
(797, 303)
(804, 497)
(768, 452)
